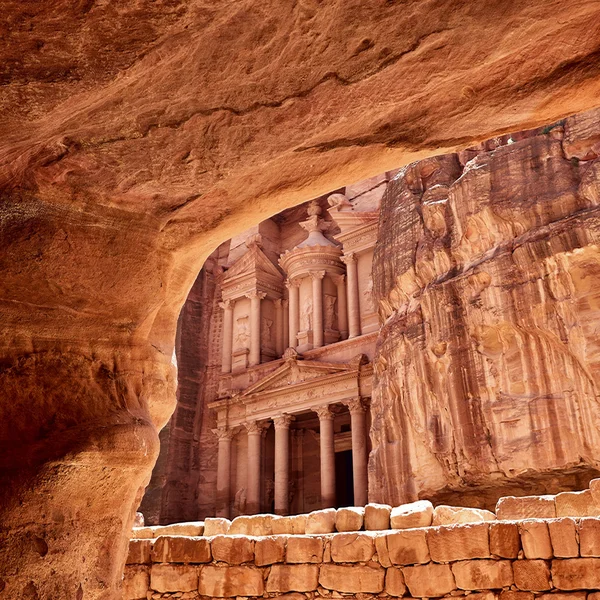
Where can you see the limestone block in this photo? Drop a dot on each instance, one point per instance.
(136, 582)
(304, 549)
(193, 528)
(216, 526)
(459, 542)
(576, 574)
(431, 580)
(595, 489)
(512, 508)
(269, 550)
(482, 595)
(535, 539)
(352, 579)
(505, 540)
(532, 575)
(482, 574)
(350, 518)
(404, 547)
(294, 525)
(139, 552)
(589, 538)
(563, 536)
(233, 550)
(415, 514)
(564, 596)
(352, 547)
(377, 517)
(577, 504)
(449, 515)
(515, 595)
(394, 582)
(293, 578)
(173, 578)
(252, 525)
(321, 521)
(227, 582)
(179, 549)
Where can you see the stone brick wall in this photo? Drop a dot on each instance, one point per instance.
(511, 555)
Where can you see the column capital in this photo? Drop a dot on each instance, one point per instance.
(349, 258)
(256, 427)
(338, 279)
(278, 303)
(317, 274)
(283, 421)
(223, 433)
(324, 412)
(256, 294)
(355, 405)
(227, 304)
(290, 283)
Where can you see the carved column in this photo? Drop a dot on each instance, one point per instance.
(255, 299)
(317, 294)
(340, 284)
(298, 469)
(282, 464)
(225, 435)
(253, 485)
(279, 348)
(286, 324)
(327, 451)
(358, 420)
(353, 299)
(227, 307)
(294, 316)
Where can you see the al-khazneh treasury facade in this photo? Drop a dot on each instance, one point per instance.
(284, 425)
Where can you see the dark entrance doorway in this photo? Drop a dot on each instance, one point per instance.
(344, 491)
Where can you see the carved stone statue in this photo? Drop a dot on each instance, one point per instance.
(242, 335)
(330, 312)
(368, 296)
(239, 503)
(306, 317)
(265, 331)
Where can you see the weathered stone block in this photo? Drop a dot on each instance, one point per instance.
(216, 526)
(431, 580)
(564, 596)
(577, 504)
(515, 595)
(404, 547)
(233, 550)
(294, 525)
(227, 582)
(532, 575)
(535, 539)
(352, 547)
(304, 549)
(252, 525)
(512, 508)
(139, 552)
(589, 538)
(194, 528)
(415, 514)
(173, 578)
(136, 582)
(352, 579)
(482, 574)
(505, 540)
(459, 542)
(269, 550)
(449, 515)
(293, 578)
(179, 549)
(394, 582)
(350, 518)
(321, 521)
(576, 573)
(563, 536)
(377, 517)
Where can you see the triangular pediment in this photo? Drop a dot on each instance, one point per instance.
(294, 372)
(253, 261)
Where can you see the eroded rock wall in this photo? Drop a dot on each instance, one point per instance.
(487, 271)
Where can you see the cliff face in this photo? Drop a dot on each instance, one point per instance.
(487, 271)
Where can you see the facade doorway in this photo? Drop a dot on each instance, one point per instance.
(344, 487)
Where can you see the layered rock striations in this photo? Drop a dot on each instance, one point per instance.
(487, 272)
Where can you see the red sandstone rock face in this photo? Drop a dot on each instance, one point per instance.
(488, 277)
(135, 138)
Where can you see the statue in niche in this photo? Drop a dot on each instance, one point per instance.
(306, 317)
(330, 312)
(239, 503)
(368, 296)
(242, 335)
(265, 331)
